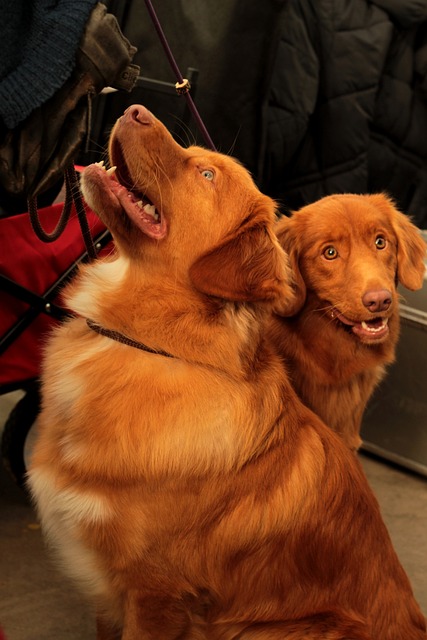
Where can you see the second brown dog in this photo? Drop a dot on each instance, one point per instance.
(348, 254)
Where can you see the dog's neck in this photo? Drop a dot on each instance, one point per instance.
(165, 316)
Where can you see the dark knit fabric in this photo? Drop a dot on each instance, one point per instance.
(39, 40)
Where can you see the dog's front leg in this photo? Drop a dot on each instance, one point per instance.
(154, 617)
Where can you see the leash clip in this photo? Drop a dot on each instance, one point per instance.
(183, 87)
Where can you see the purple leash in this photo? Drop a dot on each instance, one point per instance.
(183, 85)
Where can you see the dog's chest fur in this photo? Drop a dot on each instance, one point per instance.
(115, 416)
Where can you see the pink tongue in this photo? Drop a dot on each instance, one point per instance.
(144, 221)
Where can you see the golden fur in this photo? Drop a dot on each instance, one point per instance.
(333, 362)
(194, 496)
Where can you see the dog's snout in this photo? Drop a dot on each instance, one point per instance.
(377, 300)
(139, 114)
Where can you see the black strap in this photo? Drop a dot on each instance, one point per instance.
(72, 195)
(120, 337)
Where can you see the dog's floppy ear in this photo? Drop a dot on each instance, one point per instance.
(287, 235)
(249, 266)
(411, 251)
(411, 248)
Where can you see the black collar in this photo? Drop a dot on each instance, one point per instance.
(120, 337)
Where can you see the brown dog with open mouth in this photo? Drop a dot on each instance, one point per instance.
(348, 253)
(180, 479)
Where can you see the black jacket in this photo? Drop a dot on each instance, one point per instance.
(346, 110)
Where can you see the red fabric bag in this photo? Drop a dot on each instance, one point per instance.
(37, 266)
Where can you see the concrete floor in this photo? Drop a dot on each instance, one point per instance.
(37, 604)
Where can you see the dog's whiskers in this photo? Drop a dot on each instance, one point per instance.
(187, 138)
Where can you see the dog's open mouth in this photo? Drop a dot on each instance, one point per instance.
(136, 205)
(371, 330)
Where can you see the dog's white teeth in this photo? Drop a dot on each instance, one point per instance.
(111, 171)
(150, 209)
(367, 327)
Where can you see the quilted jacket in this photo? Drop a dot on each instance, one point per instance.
(346, 109)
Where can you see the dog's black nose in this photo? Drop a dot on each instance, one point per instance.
(377, 300)
(139, 113)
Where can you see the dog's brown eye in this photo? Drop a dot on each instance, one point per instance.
(380, 242)
(330, 253)
(208, 174)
